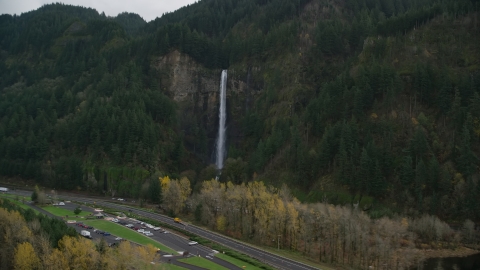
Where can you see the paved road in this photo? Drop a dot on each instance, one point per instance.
(176, 242)
(274, 260)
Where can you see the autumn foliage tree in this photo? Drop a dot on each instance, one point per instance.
(325, 232)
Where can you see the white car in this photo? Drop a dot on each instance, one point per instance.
(149, 234)
(129, 225)
(166, 232)
(61, 203)
(115, 220)
(191, 243)
(156, 228)
(120, 199)
(141, 230)
(149, 226)
(118, 238)
(145, 232)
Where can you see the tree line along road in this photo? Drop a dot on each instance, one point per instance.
(274, 260)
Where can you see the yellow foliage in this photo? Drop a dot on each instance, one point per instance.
(414, 121)
(79, 252)
(164, 182)
(25, 257)
(404, 222)
(374, 116)
(56, 260)
(185, 188)
(221, 223)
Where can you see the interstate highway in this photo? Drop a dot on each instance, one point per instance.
(273, 260)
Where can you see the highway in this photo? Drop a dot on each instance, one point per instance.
(274, 260)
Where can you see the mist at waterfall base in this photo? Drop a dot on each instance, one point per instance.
(221, 137)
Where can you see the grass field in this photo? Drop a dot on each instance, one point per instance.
(126, 233)
(58, 211)
(167, 266)
(202, 262)
(236, 262)
(20, 204)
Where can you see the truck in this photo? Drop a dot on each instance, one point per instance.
(4, 189)
(177, 220)
(86, 234)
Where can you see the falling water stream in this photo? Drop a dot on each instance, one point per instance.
(221, 137)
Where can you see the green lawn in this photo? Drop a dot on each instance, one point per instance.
(20, 204)
(58, 211)
(127, 233)
(167, 266)
(202, 262)
(236, 262)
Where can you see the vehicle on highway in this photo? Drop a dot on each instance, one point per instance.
(3, 189)
(120, 199)
(177, 220)
(191, 243)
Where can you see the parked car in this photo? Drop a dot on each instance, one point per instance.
(191, 243)
(106, 234)
(149, 234)
(61, 203)
(115, 220)
(129, 225)
(99, 232)
(140, 230)
(156, 228)
(118, 238)
(145, 232)
(120, 199)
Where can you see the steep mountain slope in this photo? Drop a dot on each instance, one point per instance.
(349, 100)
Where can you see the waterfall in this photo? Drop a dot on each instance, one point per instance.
(221, 124)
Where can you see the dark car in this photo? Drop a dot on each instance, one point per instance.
(106, 234)
(99, 232)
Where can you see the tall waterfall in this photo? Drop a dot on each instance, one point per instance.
(220, 157)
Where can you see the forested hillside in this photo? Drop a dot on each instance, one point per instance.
(371, 101)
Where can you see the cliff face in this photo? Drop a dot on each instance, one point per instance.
(196, 91)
